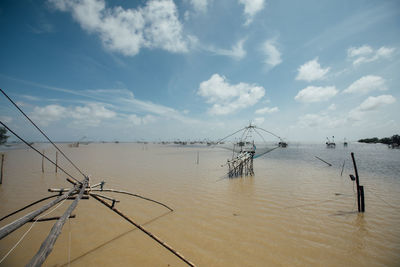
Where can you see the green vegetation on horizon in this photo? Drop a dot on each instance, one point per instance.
(395, 139)
(3, 136)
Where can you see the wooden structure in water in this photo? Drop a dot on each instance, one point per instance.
(79, 190)
(244, 151)
(241, 165)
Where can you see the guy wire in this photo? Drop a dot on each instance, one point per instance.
(26, 116)
(20, 138)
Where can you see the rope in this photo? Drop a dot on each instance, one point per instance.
(387, 203)
(26, 116)
(30, 228)
(20, 138)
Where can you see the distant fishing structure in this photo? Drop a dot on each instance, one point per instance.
(329, 143)
(80, 189)
(245, 150)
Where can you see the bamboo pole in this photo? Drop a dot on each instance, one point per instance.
(162, 243)
(9, 228)
(1, 169)
(131, 194)
(27, 206)
(51, 218)
(48, 244)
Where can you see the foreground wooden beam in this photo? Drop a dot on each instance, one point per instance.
(48, 244)
(9, 228)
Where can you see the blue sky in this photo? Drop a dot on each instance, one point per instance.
(195, 69)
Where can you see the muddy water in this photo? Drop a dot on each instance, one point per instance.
(295, 211)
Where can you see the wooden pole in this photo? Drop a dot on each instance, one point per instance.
(27, 206)
(56, 161)
(357, 182)
(48, 244)
(1, 168)
(9, 228)
(323, 161)
(162, 243)
(197, 158)
(362, 198)
(43, 161)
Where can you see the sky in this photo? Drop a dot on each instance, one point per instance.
(201, 69)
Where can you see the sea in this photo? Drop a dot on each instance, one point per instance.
(296, 210)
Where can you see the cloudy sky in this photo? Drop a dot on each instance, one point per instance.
(195, 69)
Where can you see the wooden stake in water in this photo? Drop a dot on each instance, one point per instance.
(1, 168)
(197, 162)
(56, 160)
(360, 189)
(43, 161)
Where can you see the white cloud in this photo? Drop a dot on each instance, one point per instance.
(5, 119)
(267, 110)
(199, 5)
(46, 115)
(156, 25)
(227, 98)
(320, 120)
(136, 120)
(365, 53)
(89, 115)
(332, 107)
(366, 84)
(251, 8)
(359, 51)
(370, 104)
(272, 53)
(237, 52)
(311, 71)
(312, 94)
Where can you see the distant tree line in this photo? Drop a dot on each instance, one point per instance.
(395, 139)
(3, 136)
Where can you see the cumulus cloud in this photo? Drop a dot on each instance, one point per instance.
(237, 52)
(156, 25)
(311, 71)
(251, 8)
(227, 98)
(89, 115)
(313, 94)
(365, 53)
(267, 110)
(199, 5)
(50, 113)
(137, 120)
(273, 56)
(320, 120)
(370, 104)
(366, 84)
(332, 107)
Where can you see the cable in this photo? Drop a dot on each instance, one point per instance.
(20, 138)
(30, 228)
(26, 116)
(382, 199)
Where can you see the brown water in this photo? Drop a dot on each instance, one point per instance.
(295, 211)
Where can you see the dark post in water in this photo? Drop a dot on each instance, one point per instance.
(360, 188)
